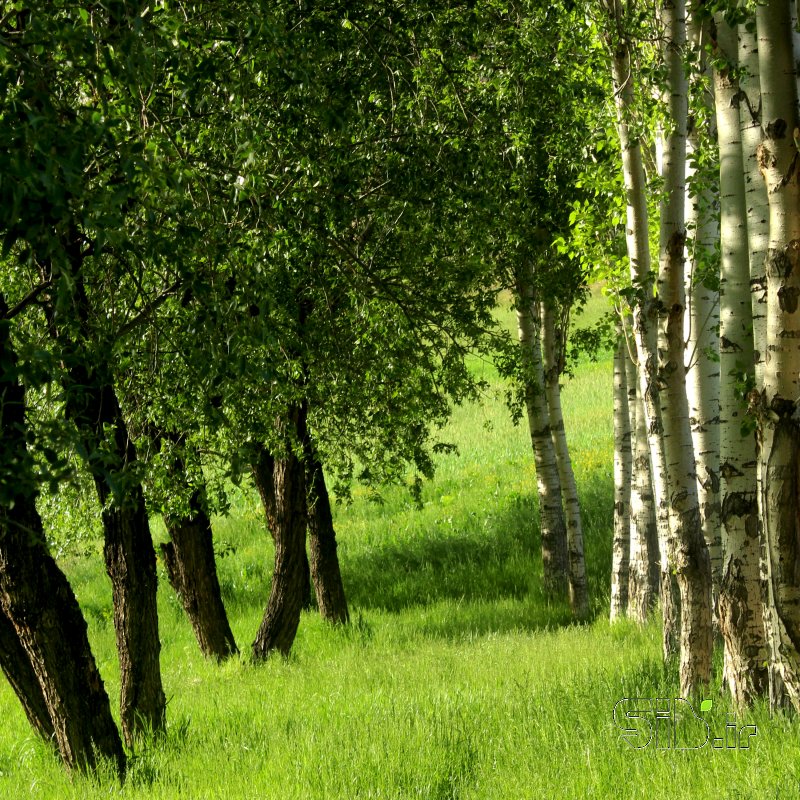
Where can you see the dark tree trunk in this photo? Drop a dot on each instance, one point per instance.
(281, 484)
(92, 405)
(308, 600)
(38, 603)
(131, 565)
(325, 571)
(192, 571)
(36, 597)
(18, 669)
(128, 550)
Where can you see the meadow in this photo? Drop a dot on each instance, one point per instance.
(456, 678)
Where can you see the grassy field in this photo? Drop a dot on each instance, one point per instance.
(456, 678)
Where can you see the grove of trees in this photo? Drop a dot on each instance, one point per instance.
(260, 241)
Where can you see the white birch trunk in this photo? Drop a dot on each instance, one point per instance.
(795, 9)
(739, 610)
(690, 554)
(748, 99)
(779, 427)
(623, 472)
(702, 317)
(551, 514)
(552, 348)
(645, 311)
(645, 562)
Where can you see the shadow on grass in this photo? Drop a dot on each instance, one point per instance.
(462, 574)
(468, 560)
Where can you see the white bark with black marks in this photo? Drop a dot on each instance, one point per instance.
(552, 352)
(623, 471)
(551, 513)
(779, 426)
(739, 608)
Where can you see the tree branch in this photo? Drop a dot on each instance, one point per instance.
(26, 301)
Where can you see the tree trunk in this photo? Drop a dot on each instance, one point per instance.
(623, 470)
(551, 513)
(779, 429)
(38, 603)
(702, 291)
(552, 350)
(645, 309)
(21, 675)
(739, 609)
(192, 572)
(128, 549)
(748, 101)
(131, 565)
(91, 404)
(281, 484)
(325, 572)
(669, 437)
(308, 602)
(691, 559)
(645, 561)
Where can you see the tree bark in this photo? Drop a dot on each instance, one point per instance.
(552, 349)
(325, 573)
(645, 309)
(21, 675)
(691, 558)
(91, 404)
(669, 436)
(739, 608)
(38, 603)
(281, 483)
(555, 556)
(192, 572)
(623, 472)
(702, 292)
(645, 561)
(128, 549)
(779, 428)
(748, 101)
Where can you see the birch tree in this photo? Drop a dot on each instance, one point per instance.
(552, 524)
(739, 611)
(702, 289)
(669, 437)
(645, 561)
(691, 558)
(748, 101)
(621, 578)
(778, 425)
(553, 345)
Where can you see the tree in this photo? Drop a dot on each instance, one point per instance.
(778, 432)
(325, 573)
(191, 567)
(646, 576)
(72, 175)
(668, 434)
(623, 474)
(552, 525)
(43, 631)
(739, 608)
(701, 319)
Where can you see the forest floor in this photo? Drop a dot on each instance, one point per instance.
(456, 678)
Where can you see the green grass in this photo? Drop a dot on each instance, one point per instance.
(456, 678)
